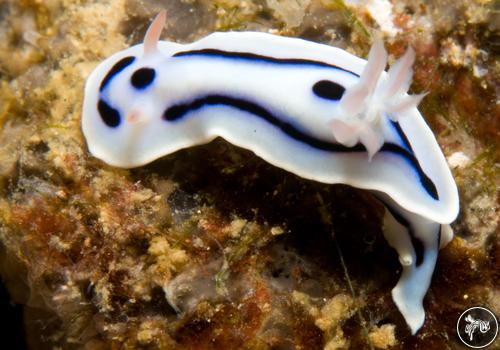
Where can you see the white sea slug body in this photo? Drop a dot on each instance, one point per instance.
(311, 109)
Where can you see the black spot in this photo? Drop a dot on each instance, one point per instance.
(143, 77)
(109, 115)
(328, 89)
(117, 68)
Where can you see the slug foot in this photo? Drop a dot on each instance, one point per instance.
(417, 241)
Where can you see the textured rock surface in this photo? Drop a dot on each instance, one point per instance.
(212, 248)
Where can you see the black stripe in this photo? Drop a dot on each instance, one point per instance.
(402, 135)
(424, 179)
(417, 244)
(255, 57)
(178, 111)
(109, 115)
(117, 68)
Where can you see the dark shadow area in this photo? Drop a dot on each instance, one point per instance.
(11, 319)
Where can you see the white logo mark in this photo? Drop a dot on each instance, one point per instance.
(474, 324)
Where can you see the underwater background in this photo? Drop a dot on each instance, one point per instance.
(211, 247)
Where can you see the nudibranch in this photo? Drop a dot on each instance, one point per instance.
(311, 109)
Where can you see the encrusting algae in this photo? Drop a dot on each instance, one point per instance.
(212, 248)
